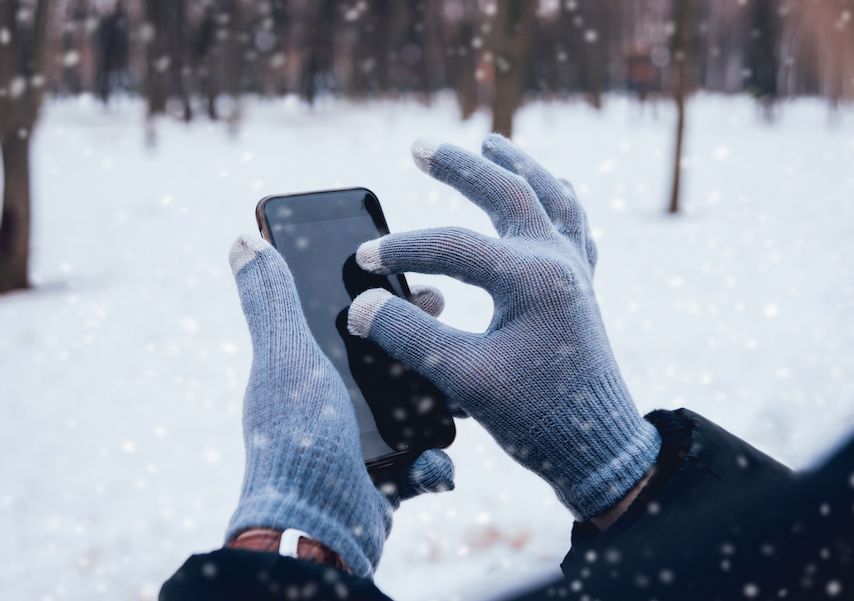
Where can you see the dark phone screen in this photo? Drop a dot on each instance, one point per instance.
(317, 234)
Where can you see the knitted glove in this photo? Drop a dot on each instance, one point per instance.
(304, 466)
(542, 378)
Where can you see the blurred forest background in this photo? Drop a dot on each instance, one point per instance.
(138, 135)
(196, 59)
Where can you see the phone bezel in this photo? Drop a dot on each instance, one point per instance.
(375, 211)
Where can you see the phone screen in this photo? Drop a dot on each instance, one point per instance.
(317, 233)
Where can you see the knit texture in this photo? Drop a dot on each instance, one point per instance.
(304, 466)
(542, 378)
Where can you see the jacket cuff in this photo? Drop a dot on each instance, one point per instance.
(236, 574)
(697, 461)
(675, 431)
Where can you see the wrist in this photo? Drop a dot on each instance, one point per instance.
(607, 518)
(675, 432)
(269, 540)
(357, 536)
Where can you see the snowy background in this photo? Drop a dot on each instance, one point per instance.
(122, 372)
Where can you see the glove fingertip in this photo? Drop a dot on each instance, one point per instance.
(368, 256)
(244, 249)
(493, 143)
(364, 309)
(433, 471)
(428, 299)
(423, 149)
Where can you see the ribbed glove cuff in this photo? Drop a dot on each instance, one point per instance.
(610, 447)
(359, 549)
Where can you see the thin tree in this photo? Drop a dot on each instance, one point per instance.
(166, 56)
(682, 50)
(763, 55)
(462, 55)
(113, 43)
(204, 43)
(511, 42)
(233, 57)
(22, 53)
(317, 65)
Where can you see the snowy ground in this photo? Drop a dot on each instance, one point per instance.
(121, 374)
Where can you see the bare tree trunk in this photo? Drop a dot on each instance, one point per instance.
(677, 153)
(466, 86)
(595, 51)
(234, 55)
(511, 49)
(158, 59)
(762, 55)
(21, 68)
(462, 58)
(165, 60)
(15, 221)
(318, 64)
(682, 50)
(429, 32)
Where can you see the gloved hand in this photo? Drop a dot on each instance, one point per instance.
(542, 378)
(304, 467)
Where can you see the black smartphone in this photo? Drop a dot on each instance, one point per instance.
(399, 412)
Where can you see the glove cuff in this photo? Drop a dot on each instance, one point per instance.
(610, 447)
(292, 488)
(360, 549)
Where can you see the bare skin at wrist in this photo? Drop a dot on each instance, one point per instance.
(267, 540)
(606, 519)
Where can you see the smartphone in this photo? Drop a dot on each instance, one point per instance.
(399, 412)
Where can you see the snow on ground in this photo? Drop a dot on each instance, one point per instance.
(122, 372)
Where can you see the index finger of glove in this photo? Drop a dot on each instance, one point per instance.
(457, 252)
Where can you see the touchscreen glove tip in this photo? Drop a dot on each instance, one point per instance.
(368, 256)
(423, 150)
(364, 310)
(244, 249)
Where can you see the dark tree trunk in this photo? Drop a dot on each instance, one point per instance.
(466, 85)
(15, 220)
(763, 55)
(112, 48)
(166, 58)
(204, 45)
(462, 58)
(584, 41)
(235, 63)
(682, 55)
(594, 51)
(317, 68)
(511, 48)
(429, 34)
(157, 59)
(21, 59)
(677, 152)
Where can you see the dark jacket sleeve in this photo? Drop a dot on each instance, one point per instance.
(239, 575)
(720, 520)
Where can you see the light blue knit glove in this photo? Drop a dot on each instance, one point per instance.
(304, 467)
(542, 379)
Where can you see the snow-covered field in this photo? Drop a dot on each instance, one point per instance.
(122, 372)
